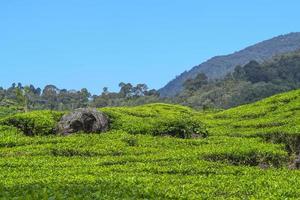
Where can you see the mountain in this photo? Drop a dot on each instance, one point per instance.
(219, 66)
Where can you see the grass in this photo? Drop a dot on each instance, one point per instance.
(151, 152)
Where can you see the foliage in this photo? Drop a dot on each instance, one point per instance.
(53, 98)
(128, 95)
(156, 119)
(219, 66)
(244, 156)
(276, 119)
(107, 166)
(152, 119)
(34, 123)
(6, 111)
(246, 84)
(196, 83)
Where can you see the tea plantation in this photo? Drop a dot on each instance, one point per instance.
(156, 151)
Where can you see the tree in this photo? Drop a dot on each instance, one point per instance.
(255, 72)
(152, 92)
(51, 97)
(126, 90)
(139, 90)
(84, 96)
(50, 94)
(22, 97)
(239, 73)
(20, 86)
(194, 84)
(2, 93)
(105, 91)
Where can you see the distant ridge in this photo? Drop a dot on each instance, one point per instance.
(219, 66)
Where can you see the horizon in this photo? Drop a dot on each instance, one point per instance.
(113, 42)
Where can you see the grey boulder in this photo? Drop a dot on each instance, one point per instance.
(88, 120)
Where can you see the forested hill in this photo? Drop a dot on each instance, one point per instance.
(219, 66)
(246, 84)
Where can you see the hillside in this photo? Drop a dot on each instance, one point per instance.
(219, 66)
(276, 116)
(247, 84)
(251, 148)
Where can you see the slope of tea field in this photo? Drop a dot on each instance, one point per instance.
(156, 151)
(276, 119)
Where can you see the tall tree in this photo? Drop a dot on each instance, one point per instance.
(49, 95)
(126, 90)
(22, 97)
(139, 90)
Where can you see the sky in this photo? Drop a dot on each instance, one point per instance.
(93, 44)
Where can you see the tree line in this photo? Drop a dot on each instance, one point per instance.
(53, 98)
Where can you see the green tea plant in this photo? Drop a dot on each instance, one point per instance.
(279, 114)
(157, 119)
(111, 166)
(6, 111)
(34, 123)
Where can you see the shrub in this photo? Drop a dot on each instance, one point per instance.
(130, 141)
(157, 119)
(34, 123)
(6, 111)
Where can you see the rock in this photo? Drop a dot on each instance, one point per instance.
(87, 120)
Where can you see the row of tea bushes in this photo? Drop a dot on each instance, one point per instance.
(118, 165)
(152, 119)
(157, 120)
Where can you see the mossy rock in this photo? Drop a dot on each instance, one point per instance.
(85, 120)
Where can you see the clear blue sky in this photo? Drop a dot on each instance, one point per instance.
(96, 43)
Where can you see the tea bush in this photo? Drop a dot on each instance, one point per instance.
(34, 123)
(153, 119)
(6, 111)
(118, 165)
(279, 114)
(157, 119)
